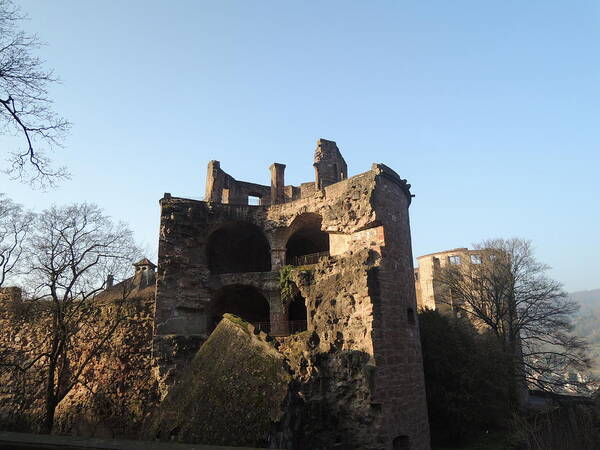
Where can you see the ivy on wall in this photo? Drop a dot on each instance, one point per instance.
(287, 288)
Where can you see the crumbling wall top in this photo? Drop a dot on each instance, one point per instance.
(223, 188)
(330, 166)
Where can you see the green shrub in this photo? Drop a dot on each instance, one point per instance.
(287, 287)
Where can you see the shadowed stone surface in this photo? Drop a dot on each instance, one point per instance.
(232, 390)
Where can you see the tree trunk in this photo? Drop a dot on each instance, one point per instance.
(48, 423)
(50, 403)
(50, 406)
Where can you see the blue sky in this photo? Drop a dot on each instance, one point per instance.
(490, 109)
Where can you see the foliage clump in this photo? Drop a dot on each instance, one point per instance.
(287, 287)
(466, 379)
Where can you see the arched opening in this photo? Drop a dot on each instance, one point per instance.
(244, 301)
(238, 247)
(401, 443)
(307, 243)
(297, 315)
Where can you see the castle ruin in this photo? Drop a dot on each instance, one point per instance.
(430, 292)
(277, 316)
(349, 333)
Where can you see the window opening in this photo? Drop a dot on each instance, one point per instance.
(454, 260)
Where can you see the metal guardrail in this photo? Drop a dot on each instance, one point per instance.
(262, 326)
(305, 260)
(294, 326)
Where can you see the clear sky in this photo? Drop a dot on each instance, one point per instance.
(490, 109)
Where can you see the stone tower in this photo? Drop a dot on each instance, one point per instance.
(349, 331)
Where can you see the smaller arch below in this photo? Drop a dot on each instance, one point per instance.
(244, 301)
(297, 315)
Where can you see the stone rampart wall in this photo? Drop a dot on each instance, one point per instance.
(117, 389)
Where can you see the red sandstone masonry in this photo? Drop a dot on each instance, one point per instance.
(361, 352)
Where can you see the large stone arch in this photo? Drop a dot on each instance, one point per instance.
(305, 237)
(237, 247)
(242, 300)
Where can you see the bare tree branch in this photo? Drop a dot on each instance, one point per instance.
(509, 294)
(15, 224)
(71, 251)
(25, 106)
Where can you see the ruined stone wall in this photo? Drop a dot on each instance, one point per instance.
(117, 390)
(424, 284)
(21, 331)
(430, 292)
(332, 396)
(185, 285)
(185, 282)
(329, 164)
(358, 367)
(223, 188)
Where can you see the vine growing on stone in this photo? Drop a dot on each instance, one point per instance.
(287, 288)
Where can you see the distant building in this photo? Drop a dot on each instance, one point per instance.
(430, 293)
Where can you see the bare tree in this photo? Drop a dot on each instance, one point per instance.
(15, 224)
(72, 251)
(25, 107)
(508, 293)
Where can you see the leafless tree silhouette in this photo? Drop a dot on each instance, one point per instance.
(508, 293)
(25, 107)
(71, 251)
(15, 224)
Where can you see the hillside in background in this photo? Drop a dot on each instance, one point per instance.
(587, 324)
